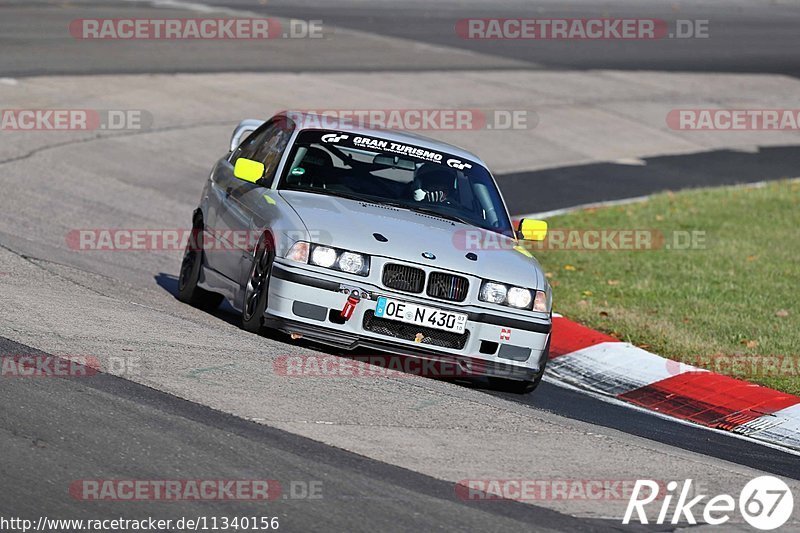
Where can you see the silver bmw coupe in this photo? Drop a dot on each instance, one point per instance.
(369, 238)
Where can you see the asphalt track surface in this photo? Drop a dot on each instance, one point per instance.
(46, 439)
(54, 431)
(744, 36)
(758, 36)
(54, 428)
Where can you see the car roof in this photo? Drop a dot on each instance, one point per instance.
(315, 121)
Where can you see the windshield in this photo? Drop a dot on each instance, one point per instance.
(399, 174)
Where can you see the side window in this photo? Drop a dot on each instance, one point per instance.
(248, 147)
(266, 145)
(271, 151)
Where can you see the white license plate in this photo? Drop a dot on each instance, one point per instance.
(420, 315)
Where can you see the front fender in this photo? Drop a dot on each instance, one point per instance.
(274, 215)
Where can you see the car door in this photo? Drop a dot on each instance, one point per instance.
(233, 216)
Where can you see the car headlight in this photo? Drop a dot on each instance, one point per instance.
(352, 263)
(327, 257)
(519, 298)
(493, 292)
(323, 256)
(516, 297)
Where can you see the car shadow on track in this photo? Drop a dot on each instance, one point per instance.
(224, 312)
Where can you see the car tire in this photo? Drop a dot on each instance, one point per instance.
(257, 288)
(188, 291)
(522, 387)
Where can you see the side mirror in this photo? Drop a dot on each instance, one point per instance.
(248, 170)
(532, 230)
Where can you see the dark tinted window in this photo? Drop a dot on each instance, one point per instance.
(266, 145)
(389, 172)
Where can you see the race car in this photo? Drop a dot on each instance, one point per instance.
(370, 238)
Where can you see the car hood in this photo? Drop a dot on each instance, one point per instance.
(352, 225)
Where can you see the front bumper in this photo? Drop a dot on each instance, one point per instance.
(494, 344)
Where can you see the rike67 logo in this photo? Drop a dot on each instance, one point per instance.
(766, 503)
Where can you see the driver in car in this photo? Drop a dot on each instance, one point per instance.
(434, 183)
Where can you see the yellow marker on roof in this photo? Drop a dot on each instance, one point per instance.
(269, 199)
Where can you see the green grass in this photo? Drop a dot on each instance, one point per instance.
(730, 305)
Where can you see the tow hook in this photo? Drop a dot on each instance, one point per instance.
(350, 304)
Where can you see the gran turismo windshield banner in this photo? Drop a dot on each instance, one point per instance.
(389, 147)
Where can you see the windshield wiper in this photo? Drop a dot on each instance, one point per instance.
(435, 213)
(351, 196)
(340, 194)
(425, 211)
